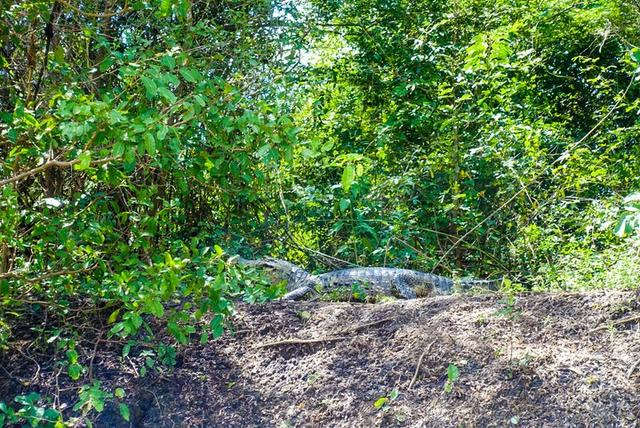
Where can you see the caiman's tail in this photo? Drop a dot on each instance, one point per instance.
(444, 285)
(488, 284)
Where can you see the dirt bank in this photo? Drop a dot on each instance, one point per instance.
(544, 360)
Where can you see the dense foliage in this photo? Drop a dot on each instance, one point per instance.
(139, 141)
(486, 137)
(466, 137)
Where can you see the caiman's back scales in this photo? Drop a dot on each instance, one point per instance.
(405, 283)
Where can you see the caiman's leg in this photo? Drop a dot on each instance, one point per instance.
(298, 293)
(405, 290)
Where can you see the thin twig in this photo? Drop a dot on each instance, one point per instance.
(299, 341)
(125, 9)
(415, 374)
(93, 355)
(615, 323)
(135, 370)
(633, 368)
(19, 275)
(11, 376)
(363, 326)
(157, 401)
(56, 396)
(35, 376)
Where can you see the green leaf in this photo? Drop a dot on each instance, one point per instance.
(117, 328)
(183, 8)
(348, 175)
(51, 415)
(124, 411)
(118, 149)
(167, 94)
(190, 75)
(58, 55)
(162, 132)
(168, 61)
(624, 227)
(119, 392)
(200, 100)
(116, 117)
(380, 402)
(635, 54)
(149, 144)
(262, 151)
(393, 394)
(150, 86)
(136, 319)
(216, 326)
(85, 161)
(400, 90)
(448, 387)
(453, 373)
(155, 308)
(72, 356)
(170, 78)
(165, 6)
(98, 404)
(130, 154)
(344, 204)
(113, 317)
(105, 64)
(74, 370)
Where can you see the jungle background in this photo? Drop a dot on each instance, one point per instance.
(143, 141)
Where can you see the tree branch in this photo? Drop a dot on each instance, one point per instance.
(50, 164)
(124, 9)
(48, 32)
(20, 275)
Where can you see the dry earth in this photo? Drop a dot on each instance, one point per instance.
(545, 360)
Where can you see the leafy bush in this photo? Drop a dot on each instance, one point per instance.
(111, 189)
(130, 148)
(30, 412)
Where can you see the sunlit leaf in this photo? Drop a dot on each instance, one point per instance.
(348, 175)
(124, 411)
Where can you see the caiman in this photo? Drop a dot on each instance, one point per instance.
(403, 283)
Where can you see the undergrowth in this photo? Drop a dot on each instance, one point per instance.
(614, 268)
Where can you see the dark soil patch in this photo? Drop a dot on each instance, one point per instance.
(535, 363)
